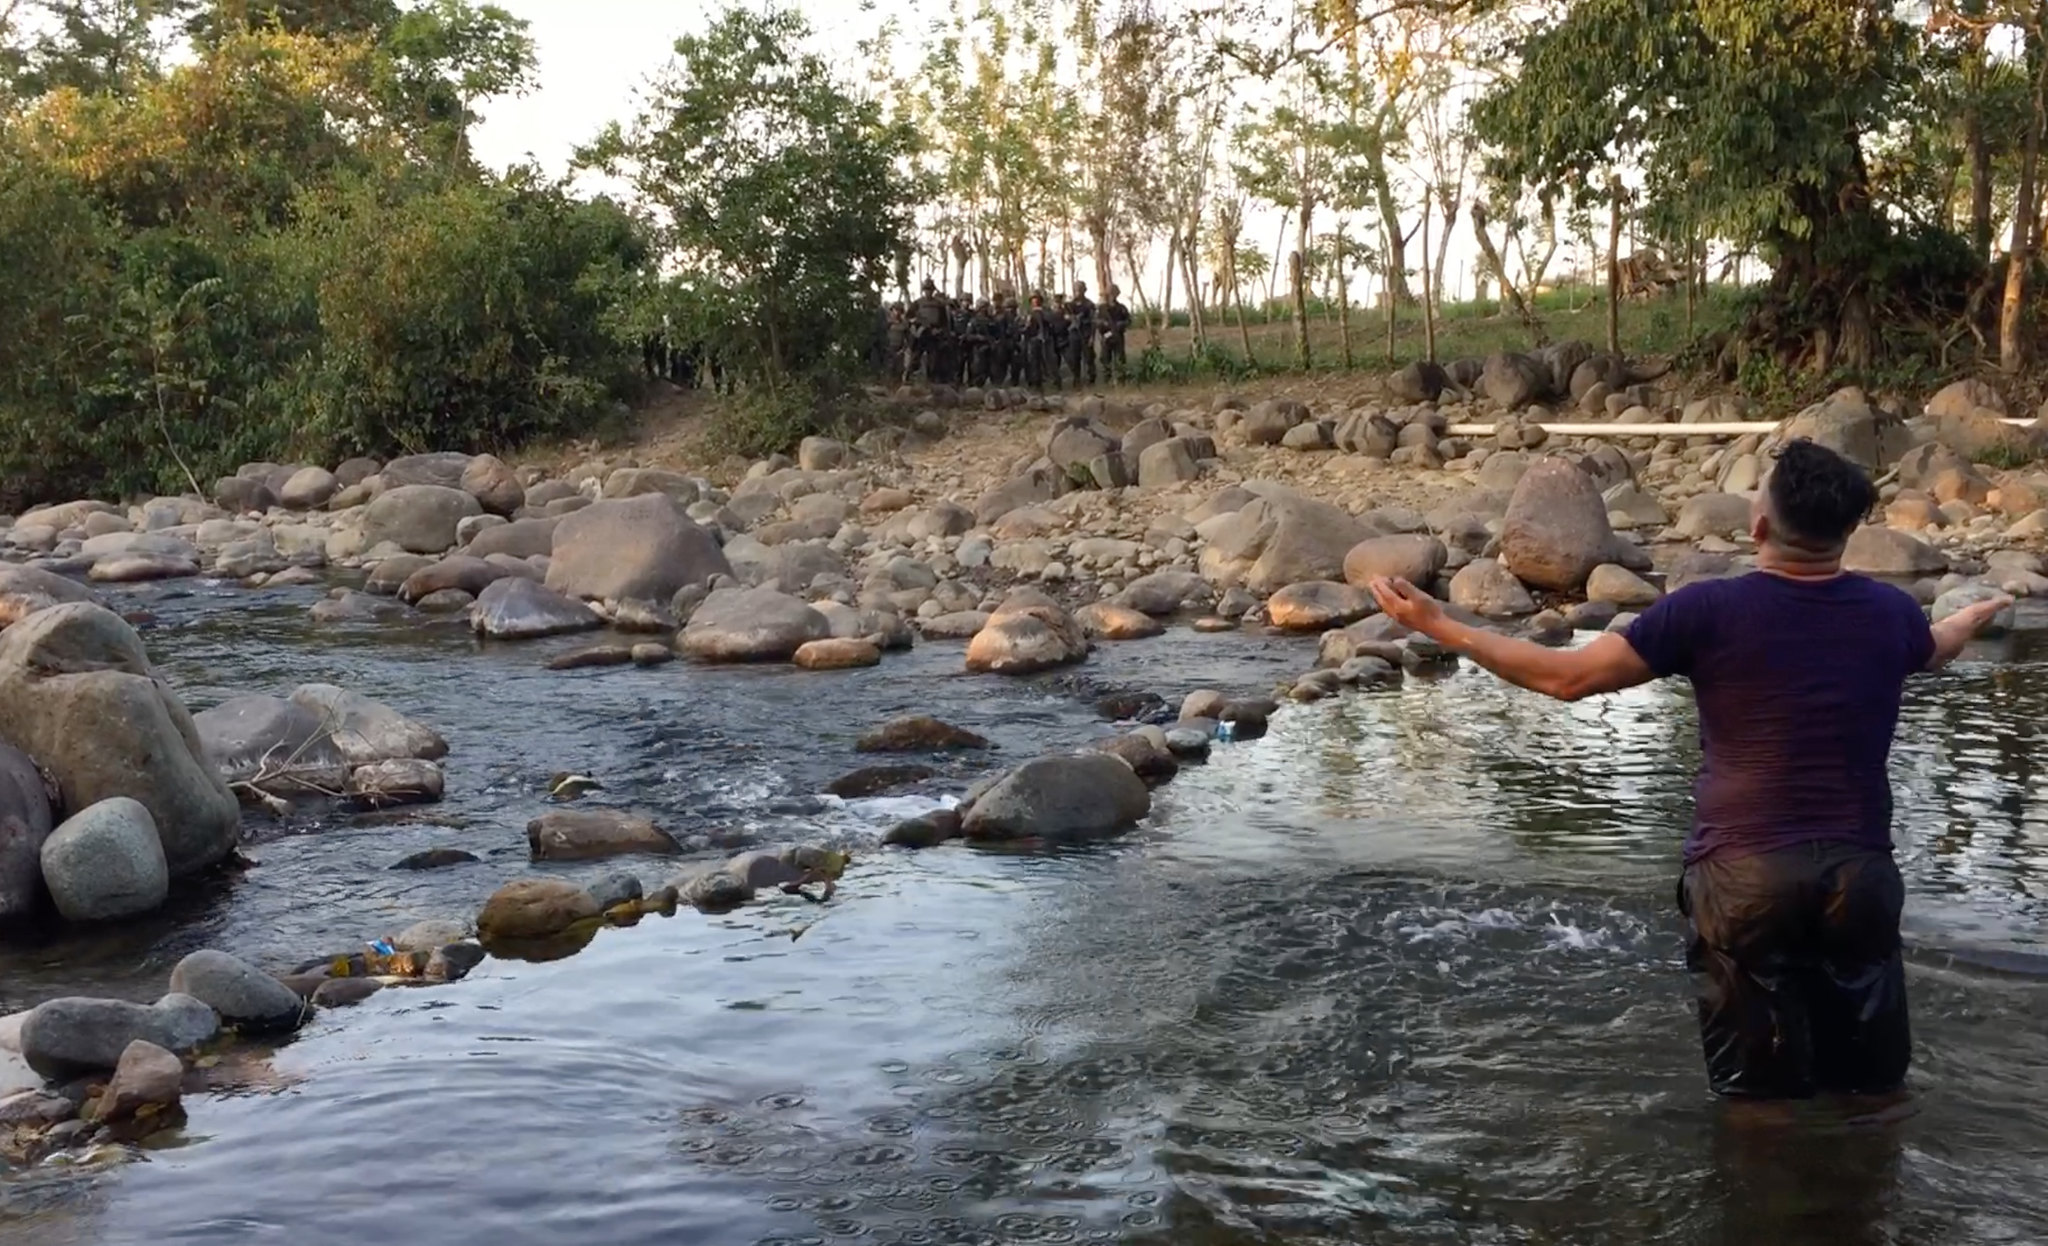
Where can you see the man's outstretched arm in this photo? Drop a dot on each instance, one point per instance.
(1958, 629)
(1609, 664)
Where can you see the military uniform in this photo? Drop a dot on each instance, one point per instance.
(1113, 320)
(931, 326)
(1081, 335)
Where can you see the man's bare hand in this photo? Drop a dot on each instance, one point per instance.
(1977, 616)
(1408, 605)
(1955, 631)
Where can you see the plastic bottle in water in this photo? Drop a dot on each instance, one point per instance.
(1226, 732)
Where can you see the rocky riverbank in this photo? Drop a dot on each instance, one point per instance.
(1032, 530)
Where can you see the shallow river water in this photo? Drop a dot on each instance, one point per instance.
(1406, 970)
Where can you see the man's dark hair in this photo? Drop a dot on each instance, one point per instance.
(1817, 497)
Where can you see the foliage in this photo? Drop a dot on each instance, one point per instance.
(776, 189)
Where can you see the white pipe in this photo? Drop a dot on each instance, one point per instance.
(1732, 429)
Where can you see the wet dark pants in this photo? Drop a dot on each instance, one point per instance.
(1802, 986)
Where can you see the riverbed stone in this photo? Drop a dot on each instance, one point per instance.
(246, 998)
(927, 830)
(1556, 530)
(514, 608)
(589, 834)
(1318, 605)
(390, 574)
(25, 824)
(1104, 620)
(522, 538)
(1028, 632)
(1485, 587)
(837, 654)
(280, 746)
(1620, 587)
(140, 568)
(1846, 423)
(399, 781)
(25, 590)
(1964, 596)
(419, 519)
(751, 625)
(1414, 557)
(309, 488)
(1060, 797)
(641, 547)
(493, 484)
(1280, 538)
(1713, 514)
(82, 699)
(147, 1080)
(1167, 592)
(918, 734)
(457, 571)
(534, 908)
(1878, 550)
(77, 1036)
(106, 862)
(368, 731)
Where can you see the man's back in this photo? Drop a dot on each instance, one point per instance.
(1798, 684)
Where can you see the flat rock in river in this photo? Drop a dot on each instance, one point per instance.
(751, 625)
(1060, 797)
(514, 608)
(587, 834)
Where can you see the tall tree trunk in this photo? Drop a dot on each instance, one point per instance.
(1098, 242)
(1977, 149)
(2012, 317)
(1387, 296)
(1172, 262)
(1428, 294)
(1448, 204)
(1614, 266)
(1397, 243)
(1490, 255)
(1198, 332)
(1278, 265)
(1343, 299)
(1294, 272)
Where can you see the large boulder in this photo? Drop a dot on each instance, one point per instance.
(1878, 550)
(25, 823)
(1486, 588)
(791, 567)
(1169, 462)
(77, 1037)
(1034, 486)
(522, 538)
(25, 590)
(588, 834)
(534, 908)
(1556, 529)
(442, 469)
(515, 608)
(493, 484)
(1513, 381)
(751, 625)
(280, 746)
(1713, 514)
(1413, 557)
(420, 519)
(461, 572)
(1318, 605)
(1846, 423)
(1268, 423)
(246, 998)
(1421, 381)
(1028, 632)
(82, 699)
(368, 731)
(1060, 797)
(1281, 538)
(1166, 592)
(308, 489)
(632, 482)
(1076, 442)
(643, 548)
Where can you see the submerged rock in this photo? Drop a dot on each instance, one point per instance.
(1317, 605)
(1066, 796)
(279, 746)
(368, 731)
(583, 835)
(518, 609)
(874, 780)
(837, 654)
(534, 909)
(751, 625)
(106, 862)
(245, 997)
(399, 781)
(437, 859)
(918, 734)
(926, 830)
(1029, 632)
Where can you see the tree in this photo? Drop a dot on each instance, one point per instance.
(1756, 114)
(774, 183)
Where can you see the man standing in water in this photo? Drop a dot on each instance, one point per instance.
(1789, 890)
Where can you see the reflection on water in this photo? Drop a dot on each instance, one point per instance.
(1402, 971)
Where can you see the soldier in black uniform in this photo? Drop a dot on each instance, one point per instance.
(896, 364)
(1081, 336)
(1038, 344)
(1113, 320)
(1055, 342)
(977, 343)
(931, 325)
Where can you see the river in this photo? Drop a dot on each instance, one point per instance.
(1405, 970)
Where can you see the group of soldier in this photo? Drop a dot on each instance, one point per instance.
(1050, 342)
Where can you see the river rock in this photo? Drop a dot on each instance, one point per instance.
(1621, 587)
(1713, 514)
(106, 862)
(837, 654)
(1878, 550)
(246, 998)
(493, 484)
(457, 571)
(918, 734)
(147, 1080)
(1846, 423)
(445, 601)
(75, 1036)
(1103, 620)
(280, 746)
(1513, 381)
(82, 699)
(751, 625)
(309, 488)
(25, 590)
(1486, 588)
(400, 781)
(1281, 538)
(140, 568)
(241, 494)
(534, 908)
(25, 823)
(588, 834)
(1165, 593)
(1415, 558)
(519, 609)
(368, 731)
(926, 830)
(874, 780)
(390, 574)
(436, 859)
(643, 548)
(419, 519)
(522, 538)
(1964, 596)
(1029, 632)
(1318, 605)
(593, 657)
(1556, 529)
(1037, 485)
(1060, 797)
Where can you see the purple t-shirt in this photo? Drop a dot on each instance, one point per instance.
(1798, 686)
